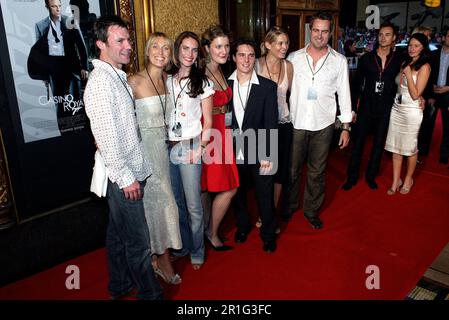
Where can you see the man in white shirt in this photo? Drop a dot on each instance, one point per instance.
(110, 108)
(319, 73)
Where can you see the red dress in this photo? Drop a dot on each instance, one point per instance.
(221, 173)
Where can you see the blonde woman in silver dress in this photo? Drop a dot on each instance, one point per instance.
(406, 113)
(152, 109)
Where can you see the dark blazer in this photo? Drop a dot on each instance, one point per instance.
(261, 112)
(74, 47)
(441, 99)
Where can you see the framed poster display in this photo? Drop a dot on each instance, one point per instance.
(46, 131)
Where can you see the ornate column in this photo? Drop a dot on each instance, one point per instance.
(139, 16)
(126, 12)
(7, 208)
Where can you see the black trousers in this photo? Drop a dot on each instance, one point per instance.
(62, 83)
(366, 124)
(264, 185)
(426, 131)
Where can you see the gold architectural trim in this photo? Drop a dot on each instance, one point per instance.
(139, 15)
(126, 12)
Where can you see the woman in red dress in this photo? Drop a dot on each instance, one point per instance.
(219, 176)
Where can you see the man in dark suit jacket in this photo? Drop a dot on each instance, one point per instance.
(254, 121)
(64, 54)
(439, 78)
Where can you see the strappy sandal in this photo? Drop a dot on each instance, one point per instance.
(405, 190)
(175, 279)
(391, 191)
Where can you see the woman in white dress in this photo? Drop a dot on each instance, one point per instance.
(152, 108)
(406, 113)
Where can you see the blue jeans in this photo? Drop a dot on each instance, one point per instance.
(186, 185)
(128, 247)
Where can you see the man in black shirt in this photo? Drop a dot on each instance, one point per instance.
(373, 90)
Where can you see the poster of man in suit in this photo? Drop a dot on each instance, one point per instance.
(50, 57)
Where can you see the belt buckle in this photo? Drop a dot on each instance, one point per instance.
(224, 109)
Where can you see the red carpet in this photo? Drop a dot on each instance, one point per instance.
(401, 235)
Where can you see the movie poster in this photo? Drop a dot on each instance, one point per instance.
(420, 15)
(395, 13)
(409, 15)
(50, 49)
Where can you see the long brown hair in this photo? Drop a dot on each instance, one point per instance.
(197, 75)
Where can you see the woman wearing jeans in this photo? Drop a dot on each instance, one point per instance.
(191, 98)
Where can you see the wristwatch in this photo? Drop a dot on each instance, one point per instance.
(346, 127)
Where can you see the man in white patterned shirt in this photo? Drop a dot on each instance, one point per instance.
(319, 73)
(110, 108)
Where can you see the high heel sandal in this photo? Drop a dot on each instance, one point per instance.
(175, 279)
(391, 191)
(223, 247)
(405, 190)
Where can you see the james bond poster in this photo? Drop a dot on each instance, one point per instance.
(50, 48)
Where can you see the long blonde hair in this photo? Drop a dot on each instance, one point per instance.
(271, 37)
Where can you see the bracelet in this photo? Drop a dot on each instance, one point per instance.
(345, 129)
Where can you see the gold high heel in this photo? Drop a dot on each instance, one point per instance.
(175, 279)
(392, 192)
(405, 190)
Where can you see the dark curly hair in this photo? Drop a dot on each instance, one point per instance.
(424, 56)
(197, 75)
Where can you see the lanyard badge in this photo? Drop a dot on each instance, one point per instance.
(312, 93)
(379, 87)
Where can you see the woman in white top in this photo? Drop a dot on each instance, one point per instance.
(161, 211)
(272, 65)
(191, 97)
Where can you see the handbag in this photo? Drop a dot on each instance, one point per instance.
(37, 64)
(99, 183)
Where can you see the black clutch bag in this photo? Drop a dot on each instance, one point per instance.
(37, 64)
